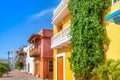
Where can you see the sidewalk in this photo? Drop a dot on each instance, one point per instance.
(17, 75)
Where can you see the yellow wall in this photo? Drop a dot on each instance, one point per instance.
(54, 30)
(113, 31)
(67, 66)
(65, 21)
(54, 64)
(66, 50)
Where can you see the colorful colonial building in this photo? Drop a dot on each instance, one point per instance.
(42, 53)
(60, 42)
(29, 65)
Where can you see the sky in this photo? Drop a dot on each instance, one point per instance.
(21, 18)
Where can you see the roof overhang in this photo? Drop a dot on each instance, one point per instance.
(57, 18)
(34, 36)
(114, 17)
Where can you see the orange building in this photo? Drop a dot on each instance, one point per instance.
(42, 53)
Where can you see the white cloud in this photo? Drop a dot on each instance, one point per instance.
(43, 13)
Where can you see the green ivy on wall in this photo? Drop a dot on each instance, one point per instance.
(88, 35)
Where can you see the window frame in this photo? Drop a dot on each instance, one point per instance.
(37, 68)
(49, 66)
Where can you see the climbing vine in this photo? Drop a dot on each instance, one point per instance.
(88, 35)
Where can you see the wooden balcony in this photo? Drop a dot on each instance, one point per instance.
(34, 52)
(61, 39)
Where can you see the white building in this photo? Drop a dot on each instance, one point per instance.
(14, 57)
(29, 61)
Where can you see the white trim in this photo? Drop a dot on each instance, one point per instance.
(56, 16)
(56, 43)
(113, 1)
(61, 30)
(57, 7)
(64, 70)
(73, 77)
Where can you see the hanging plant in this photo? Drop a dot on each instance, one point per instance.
(88, 35)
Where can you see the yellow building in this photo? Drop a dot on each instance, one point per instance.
(60, 42)
(113, 31)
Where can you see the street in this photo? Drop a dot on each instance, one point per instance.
(17, 75)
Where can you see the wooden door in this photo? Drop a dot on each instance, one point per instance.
(60, 68)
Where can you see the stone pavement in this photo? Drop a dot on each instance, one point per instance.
(17, 75)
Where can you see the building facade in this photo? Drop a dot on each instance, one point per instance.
(60, 42)
(29, 65)
(14, 58)
(42, 53)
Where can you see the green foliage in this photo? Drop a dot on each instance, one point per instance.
(108, 71)
(19, 65)
(88, 35)
(3, 68)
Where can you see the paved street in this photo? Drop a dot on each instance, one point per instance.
(16, 75)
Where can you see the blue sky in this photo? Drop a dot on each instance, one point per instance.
(20, 18)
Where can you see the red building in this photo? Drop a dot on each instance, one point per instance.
(42, 53)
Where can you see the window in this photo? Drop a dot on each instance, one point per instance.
(50, 66)
(114, 1)
(36, 68)
(59, 28)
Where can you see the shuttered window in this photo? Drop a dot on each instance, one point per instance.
(50, 67)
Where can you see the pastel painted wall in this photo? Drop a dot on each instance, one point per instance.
(30, 61)
(65, 22)
(67, 52)
(113, 31)
(54, 64)
(67, 65)
(44, 43)
(45, 70)
(37, 68)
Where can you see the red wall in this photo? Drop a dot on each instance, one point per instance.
(45, 54)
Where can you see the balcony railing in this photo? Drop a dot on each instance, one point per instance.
(34, 52)
(60, 7)
(61, 38)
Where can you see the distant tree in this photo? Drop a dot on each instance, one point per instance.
(19, 65)
(3, 68)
